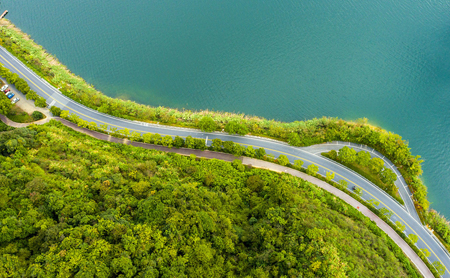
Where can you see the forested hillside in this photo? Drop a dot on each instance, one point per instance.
(73, 206)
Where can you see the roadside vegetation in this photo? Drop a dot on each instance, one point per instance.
(17, 115)
(298, 133)
(75, 206)
(372, 169)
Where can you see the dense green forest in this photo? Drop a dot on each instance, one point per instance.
(74, 206)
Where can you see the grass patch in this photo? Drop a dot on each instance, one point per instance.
(19, 116)
(368, 174)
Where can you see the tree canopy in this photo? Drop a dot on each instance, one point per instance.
(79, 207)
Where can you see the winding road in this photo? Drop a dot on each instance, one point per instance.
(310, 155)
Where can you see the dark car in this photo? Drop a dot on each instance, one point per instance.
(7, 90)
(10, 95)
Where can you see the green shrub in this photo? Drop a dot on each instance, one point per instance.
(56, 111)
(207, 124)
(36, 115)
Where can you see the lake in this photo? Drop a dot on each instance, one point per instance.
(288, 60)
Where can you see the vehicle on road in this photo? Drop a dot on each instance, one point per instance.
(7, 90)
(10, 95)
(4, 88)
(15, 100)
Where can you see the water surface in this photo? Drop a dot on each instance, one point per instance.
(288, 60)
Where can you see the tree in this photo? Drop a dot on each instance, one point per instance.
(260, 153)
(232, 127)
(343, 183)
(190, 142)
(388, 176)
(200, 144)
(167, 141)
(92, 126)
(250, 151)
(228, 146)
(36, 115)
(439, 267)
(5, 104)
(376, 164)
(125, 132)
(400, 226)
(207, 124)
(56, 111)
(386, 212)
(178, 142)
(363, 158)
(238, 150)
(425, 252)
(216, 145)
(12, 78)
(358, 191)
(312, 169)
(283, 160)
(40, 102)
(156, 139)
(298, 164)
(414, 238)
(147, 137)
(329, 176)
(347, 155)
(136, 136)
(294, 139)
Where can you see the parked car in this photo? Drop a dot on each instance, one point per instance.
(4, 88)
(10, 95)
(7, 90)
(15, 100)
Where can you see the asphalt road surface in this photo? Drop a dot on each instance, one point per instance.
(308, 155)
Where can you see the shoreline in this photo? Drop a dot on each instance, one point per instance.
(76, 88)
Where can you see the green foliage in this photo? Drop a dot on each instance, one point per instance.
(374, 171)
(136, 136)
(83, 208)
(37, 115)
(283, 160)
(294, 139)
(216, 145)
(5, 104)
(178, 142)
(363, 158)
(250, 151)
(40, 102)
(298, 164)
(439, 267)
(425, 252)
(347, 155)
(414, 238)
(207, 124)
(388, 176)
(400, 226)
(235, 127)
(386, 212)
(329, 176)
(312, 169)
(56, 111)
(358, 191)
(190, 142)
(167, 141)
(376, 165)
(260, 153)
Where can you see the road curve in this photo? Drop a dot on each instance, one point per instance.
(370, 191)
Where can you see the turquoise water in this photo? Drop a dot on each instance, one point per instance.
(388, 61)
